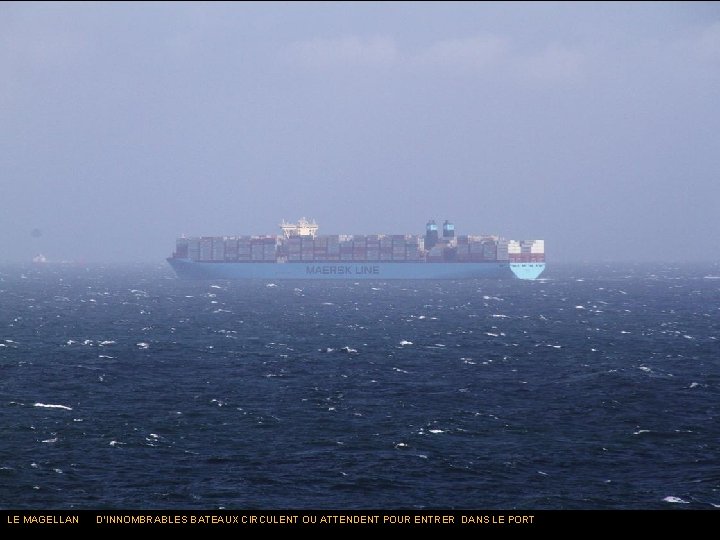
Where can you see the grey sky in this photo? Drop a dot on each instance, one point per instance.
(593, 126)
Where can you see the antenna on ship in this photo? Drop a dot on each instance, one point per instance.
(302, 228)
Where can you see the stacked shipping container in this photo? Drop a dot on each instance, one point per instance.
(228, 248)
(526, 251)
(358, 248)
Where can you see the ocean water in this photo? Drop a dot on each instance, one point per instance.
(124, 387)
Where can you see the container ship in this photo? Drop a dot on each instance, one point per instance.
(301, 253)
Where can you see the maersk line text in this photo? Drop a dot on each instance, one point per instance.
(342, 269)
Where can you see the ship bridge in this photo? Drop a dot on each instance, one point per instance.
(302, 228)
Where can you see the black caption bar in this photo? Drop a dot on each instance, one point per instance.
(472, 520)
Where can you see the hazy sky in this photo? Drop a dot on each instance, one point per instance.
(593, 126)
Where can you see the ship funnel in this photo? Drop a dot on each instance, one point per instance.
(431, 234)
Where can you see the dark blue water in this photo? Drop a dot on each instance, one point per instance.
(127, 388)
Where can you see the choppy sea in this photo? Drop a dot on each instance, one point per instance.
(597, 387)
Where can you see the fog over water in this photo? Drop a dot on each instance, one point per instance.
(591, 125)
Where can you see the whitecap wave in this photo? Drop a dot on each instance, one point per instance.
(52, 406)
(677, 500)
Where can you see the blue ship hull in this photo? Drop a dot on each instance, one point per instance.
(189, 269)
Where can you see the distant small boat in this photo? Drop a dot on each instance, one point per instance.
(39, 259)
